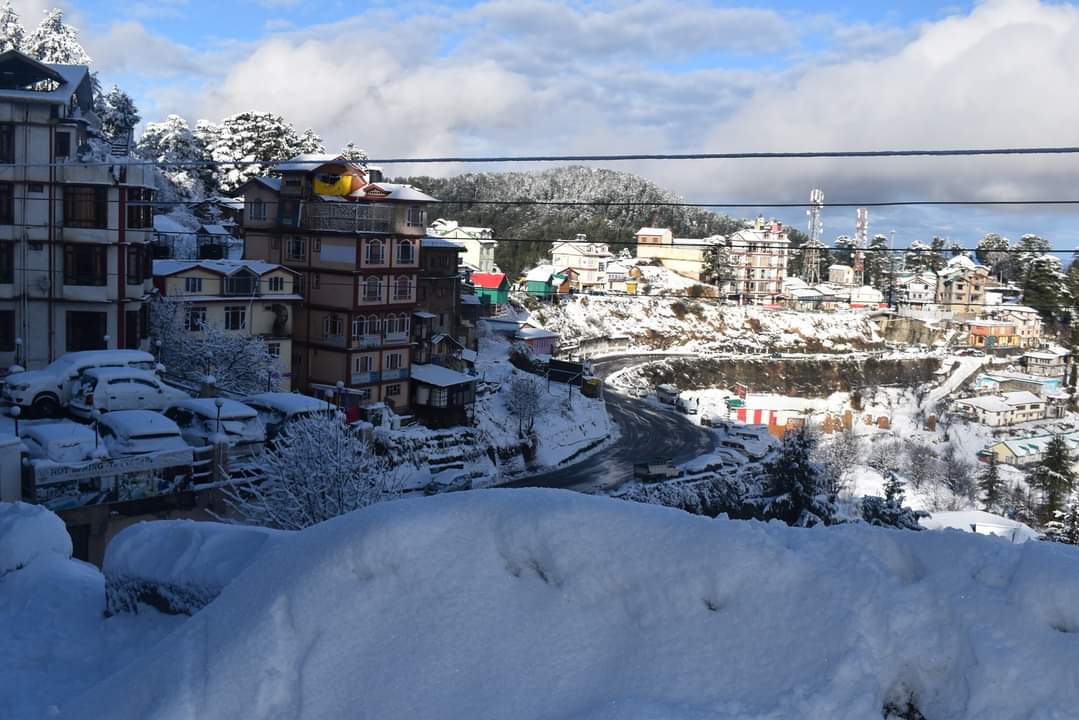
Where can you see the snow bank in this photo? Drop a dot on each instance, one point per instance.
(178, 566)
(983, 523)
(548, 604)
(28, 532)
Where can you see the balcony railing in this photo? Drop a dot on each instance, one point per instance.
(364, 378)
(396, 337)
(398, 374)
(366, 341)
(348, 217)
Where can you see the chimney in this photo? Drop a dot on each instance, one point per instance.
(581, 237)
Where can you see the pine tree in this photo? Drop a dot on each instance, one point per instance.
(878, 263)
(12, 34)
(918, 257)
(309, 142)
(844, 250)
(1045, 287)
(1026, 250)
(936, 254)
(991, 486)
(955, 249)
(893, 489)
(353, 152)
(55, 42)
(1073, 277)
(993, 252)
(793, 485)
(251, 136)
(172, 141)
(718, 269)
(1054, 477)
(1064, 527)
(119, 115)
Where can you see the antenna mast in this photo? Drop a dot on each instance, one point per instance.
(812, 250)
(861, 240)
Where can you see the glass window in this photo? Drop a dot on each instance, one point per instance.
(277, 284)
(7, 203)
(405, 252)
(235, 317)
(372, 289)
(7, 262)
(401, 288)
(194, 318)
(393, 361)
(393, 390)
(297, 248)
(63, 144)
(359, 327)
(417, 217)
(134, 264)
(86, 206)
(7, 330)
(84, 264)
(140, 211)
(7, 143)
(374, 252)
(273, 349)
(333, 326)
(256, 209)
(193, 285)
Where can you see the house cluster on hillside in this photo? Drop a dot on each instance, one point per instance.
(1036, 391)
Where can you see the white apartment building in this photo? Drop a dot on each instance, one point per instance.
(479, 243)
(75, 222)
(759, 259)
(1007, 408)
(589, 260)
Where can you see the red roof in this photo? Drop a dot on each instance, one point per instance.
(488, 281)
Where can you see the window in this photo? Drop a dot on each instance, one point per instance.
(374, 252)
(140, 211)
(84, 265)
(38, 188)
(393, 390)
(317, 246)
(359, 327)
(402, 288)
(235, 317)
(362, 364)
(194, 318)
(192, 285)
(134, 265)
(275, 243)
(7, 262)
(86, 330)
(405, 252)
(63, 144)
(7, 203)
(416, 217)
(333, 326)
(256, 209)
(277, 284)
(372, 289)
(297, 248)
(397, 324)
(393, 361)
(86, 206)
(7, 143)
(273, 349)
(7, 330)
(131, 329)
(301, 285)
(242, 282)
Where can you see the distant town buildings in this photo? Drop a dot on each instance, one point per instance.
(961, 286)
(588, 260)
(1007, 408)
(478, 243)
(758, 257)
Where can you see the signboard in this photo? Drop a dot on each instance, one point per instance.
(564, 371)
(60, 486)
(741, 390)
(49, 472)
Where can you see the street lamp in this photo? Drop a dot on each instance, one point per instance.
(340, 392)
(218, 402)
(95, 415)
(15, 412)
(18, 350)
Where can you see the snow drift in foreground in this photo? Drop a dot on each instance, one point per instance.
(548, 604)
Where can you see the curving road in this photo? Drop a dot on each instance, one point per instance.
(648, 433)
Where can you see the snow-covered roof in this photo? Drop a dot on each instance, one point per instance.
(470, 299)
(440, 242)
(65, 430)
(534, 333)
(207, 407)
(229, 202)
(398, 192)
(133, 423)
(543, 273)
(169, 224)
(1004, 402)
(309, 162)
(840, 267)
(213, 229)
(68, 77)
(617, 268)
(111, 373)
(578, 247)
(1035, 444)
(652, 231)
(439, 376)
(289, 403)
(1051, 352)
(982, 523)
(271, 182)
(423, 314)
(164, 268)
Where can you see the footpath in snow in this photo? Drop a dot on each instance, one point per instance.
(549, 604)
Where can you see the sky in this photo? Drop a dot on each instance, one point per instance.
(512, 77)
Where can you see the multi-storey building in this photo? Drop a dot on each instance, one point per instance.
(437, 334)
(243, 296)
(75, 222)
(684, 256)
(478, 243)
(589, 260)
(356, 247)
(759, 262)
(961, 286)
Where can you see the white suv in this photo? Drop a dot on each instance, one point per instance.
(48, 390)
(107, 389)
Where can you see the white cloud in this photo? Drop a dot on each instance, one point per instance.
(128, 47)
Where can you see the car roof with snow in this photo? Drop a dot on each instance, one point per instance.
(207, 407)
(112, 373)
(105, 356)
(46, 433)
(288, 403)
(133, 423)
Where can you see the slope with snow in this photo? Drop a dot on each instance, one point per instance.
(548, 604)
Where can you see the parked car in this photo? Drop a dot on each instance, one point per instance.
(667, 394)
(62, 442)
(48, 390)
(202, 419)
(139, 432)
(276, 409)
(655, 471)
(108, 389)
(688, 404)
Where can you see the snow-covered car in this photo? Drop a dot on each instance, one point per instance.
(110, 389)
(662, 470)
(48, 390)
(201, 420)
(139, 432)
(63, 442)
(276, 409)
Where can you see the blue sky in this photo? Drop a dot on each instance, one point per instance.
(560, 77)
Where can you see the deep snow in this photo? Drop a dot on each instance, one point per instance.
(549, 604)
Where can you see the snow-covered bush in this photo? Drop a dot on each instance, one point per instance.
(794, 489)
(28, 532)
(318, 468)
(524, 401)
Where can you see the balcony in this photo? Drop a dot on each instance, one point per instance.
(398, 374)
(396, 337)
(348, 217)
(367, 341)
(364, 378)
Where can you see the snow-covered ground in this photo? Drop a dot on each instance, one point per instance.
(705, 325)
(548, 604)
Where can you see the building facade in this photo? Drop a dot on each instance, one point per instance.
(961, 286)
(356, 246)
(684, 256)
(759, 262)
(437, 335)
(75, 222)
(588, 260)
(478, 243)
(242, 296)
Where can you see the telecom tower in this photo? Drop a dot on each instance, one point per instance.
(861, 240)
(812, 250)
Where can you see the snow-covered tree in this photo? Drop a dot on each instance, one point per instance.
(886, 513)
(1026, 250)
(353, 152)
(53, 41)
(317, 469)
(794, 490)
(957, 474)
(1053, 477)
(886, 456)
(172, 141)
(893, 489)
(237, 361)
(878, 263)
(918, 257)
(835, 457)
(843, 250)
(1045, 287)
(1064, 527)
(718, 269)
(993, 252)
(922, 464)
(119, 115)
(12, 34)
(524, 401)
(246, 144)
(310, 142)
(991, 486)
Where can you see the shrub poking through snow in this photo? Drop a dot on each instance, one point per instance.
(794, 487)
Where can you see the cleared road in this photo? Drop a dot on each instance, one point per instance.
(648, 433)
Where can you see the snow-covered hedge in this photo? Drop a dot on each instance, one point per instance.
(28, 532)
(177, 566)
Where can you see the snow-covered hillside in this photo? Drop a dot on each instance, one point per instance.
(705, 325)
(548, 604)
